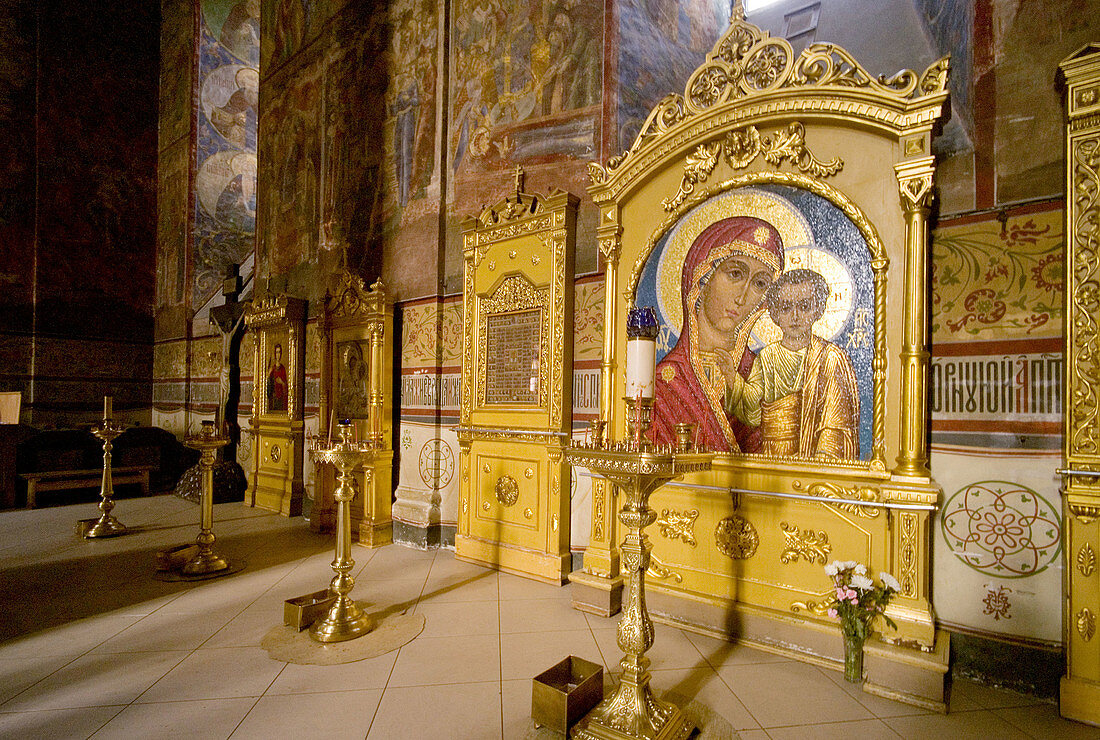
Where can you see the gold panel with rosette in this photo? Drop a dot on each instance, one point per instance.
(517, 362)
(774, 214)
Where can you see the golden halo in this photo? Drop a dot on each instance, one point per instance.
(837, 309)
(775, 209)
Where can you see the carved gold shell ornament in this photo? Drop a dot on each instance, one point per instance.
(507, 490)
(736, 537)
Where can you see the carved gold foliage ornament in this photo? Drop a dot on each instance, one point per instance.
(1083, 292)
(908, 523)
(808, 545)
(1086, 624)
(853, 493)
(507, 490)
(1086, 560)
(740, 148)
(736, 537)
(820, 609)
(657, 569)
(678, 525)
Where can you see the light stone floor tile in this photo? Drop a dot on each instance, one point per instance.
(516, 587)
(332, 715)
(1043, 720)
(445, 660)
(177, 720)
(988, 697)
(96, 680)
(72, 639)
(449, 712)
(515, 707)
(478, 587)
(868, 729)
(684, 685)
(540, 615)
(722, 652)
(782, 694)
(527, 654)
(216, 673)
(17, 674)
(199, 669)
(980, 724)
(450, 619)
(372, 673)
(69, 722)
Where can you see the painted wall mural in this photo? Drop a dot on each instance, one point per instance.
(996, 401)
(766, 325)
(526, 87)
(661, 42)
(225, 176)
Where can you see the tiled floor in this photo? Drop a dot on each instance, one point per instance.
(93, 646)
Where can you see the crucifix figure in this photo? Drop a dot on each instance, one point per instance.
(229, 320)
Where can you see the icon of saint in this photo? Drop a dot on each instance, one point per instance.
(726, 274)
(277, 387)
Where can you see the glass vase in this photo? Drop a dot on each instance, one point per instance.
(853, 659)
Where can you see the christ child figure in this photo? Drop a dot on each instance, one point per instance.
(802, 390)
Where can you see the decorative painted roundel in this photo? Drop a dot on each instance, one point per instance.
(1002, 529)
(437, 463)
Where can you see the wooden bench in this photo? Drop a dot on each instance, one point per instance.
(60, 480)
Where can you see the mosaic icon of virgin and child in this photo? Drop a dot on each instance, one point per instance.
(795, 396)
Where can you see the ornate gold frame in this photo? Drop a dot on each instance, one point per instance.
(514, 512)
(754, 113)
(1079, 697)
(354, 313)
(278, 437)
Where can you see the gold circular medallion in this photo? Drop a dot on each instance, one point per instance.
(507, 490)
(276, 453)
(736, 537)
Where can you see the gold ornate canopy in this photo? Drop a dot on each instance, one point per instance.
(758, 124)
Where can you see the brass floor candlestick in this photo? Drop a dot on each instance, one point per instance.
(106, 525)
(638, 469)
(345, 620)
(206, 560)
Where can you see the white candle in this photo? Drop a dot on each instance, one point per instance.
(641, 367)
(107, 407)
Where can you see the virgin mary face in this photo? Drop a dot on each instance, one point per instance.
(733, 292)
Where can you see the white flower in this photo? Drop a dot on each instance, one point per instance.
(890, 582)
(832, 568)
(860, 569)
(863, 583)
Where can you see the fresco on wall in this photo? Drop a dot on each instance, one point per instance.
(351, 183)
(290, 23)
(661, 42)
(225, 178)
(996, 373)
(765, 299)
(411, 105)
(290, 162)
(520, 73)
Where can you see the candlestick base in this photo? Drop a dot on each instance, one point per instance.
(105, 526)
(344, 621)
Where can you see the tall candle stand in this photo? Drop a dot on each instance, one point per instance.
(638, 468)
(106, 525)
(345, 620)
(206, 561)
